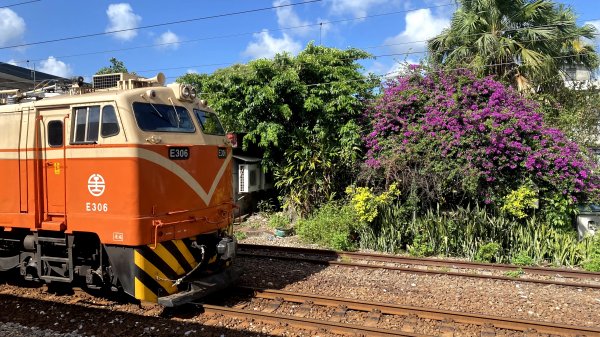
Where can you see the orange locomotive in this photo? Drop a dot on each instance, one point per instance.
(126, 186)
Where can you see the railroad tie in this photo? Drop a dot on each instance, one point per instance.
(410, 323)
(304, 309)
(241, 305)
(531, 333)
(339, 314)
(447, 328)
(488, 330)
(373, 318)
(274, 305)
(280, 330)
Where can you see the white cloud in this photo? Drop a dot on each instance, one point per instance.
(12, 61)
(55, 67)
(358, 8)
(421, 25)
(286, 17)
(168, 40)
(12, 26)
(267, 46)
(121, 16)
(191, 71)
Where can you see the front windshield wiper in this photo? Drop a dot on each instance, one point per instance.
(176, 112)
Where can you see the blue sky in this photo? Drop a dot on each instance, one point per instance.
(393, 30)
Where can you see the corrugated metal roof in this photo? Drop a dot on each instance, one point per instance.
(247, 159)
(15, 77)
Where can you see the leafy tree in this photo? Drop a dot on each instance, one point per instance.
(116, 66)
(574, 110)
(523, 42)
(303, 111)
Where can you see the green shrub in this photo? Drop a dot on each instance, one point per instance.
(419, 248)
(487, 252)
(592, 264)
(279, 220)
(240, 235)
(515, 273)
(517, 202)
(332, 225)
(522, 259)
(266, 206)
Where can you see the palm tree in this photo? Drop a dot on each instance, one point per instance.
(520, 41)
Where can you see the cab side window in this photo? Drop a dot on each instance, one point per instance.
(55, 133)
(89, 123)
(110, 125)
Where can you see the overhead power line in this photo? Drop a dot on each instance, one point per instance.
(209, 17)
(19, 4)
(217, 37)
(395, 73)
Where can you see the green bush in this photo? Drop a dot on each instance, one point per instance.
(419, 248)
(487, 252)
(522, 259)
(240, 235)
(279, 220)
(592, 264)
(332, 225)
(266, 206)
(515, 273)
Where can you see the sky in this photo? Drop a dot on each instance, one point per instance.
(179, 37)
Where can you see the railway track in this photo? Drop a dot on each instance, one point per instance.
(444, 267)
(346, 316)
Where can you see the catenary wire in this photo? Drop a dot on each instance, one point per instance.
(217, 37)
(208, 17)
(394, 73)
(298, 27)
(19, 4)
(406, 53)
(303, 26)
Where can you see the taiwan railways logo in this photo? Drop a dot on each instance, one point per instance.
(96, 185)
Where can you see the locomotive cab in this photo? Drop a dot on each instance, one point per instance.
(124, 185)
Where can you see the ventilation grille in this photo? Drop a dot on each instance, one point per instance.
(106, 81)
(242, 179)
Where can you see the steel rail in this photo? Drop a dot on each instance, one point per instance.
(427, 313)
(306, 323)
(561, 272)
(422, 271)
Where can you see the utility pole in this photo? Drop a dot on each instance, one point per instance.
(321, 33)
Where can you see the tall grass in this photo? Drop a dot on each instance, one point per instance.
(463, 232)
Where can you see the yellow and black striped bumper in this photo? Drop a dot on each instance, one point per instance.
(158, 268)
(150, 272)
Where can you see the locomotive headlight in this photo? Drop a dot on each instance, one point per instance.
(185, 92)
(193, 93)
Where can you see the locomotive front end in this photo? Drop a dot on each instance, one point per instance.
(181, 246)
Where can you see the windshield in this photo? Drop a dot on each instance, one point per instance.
(209, 122)
(162, 118)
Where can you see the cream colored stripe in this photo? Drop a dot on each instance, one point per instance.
(128, 152)
(10, 155)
